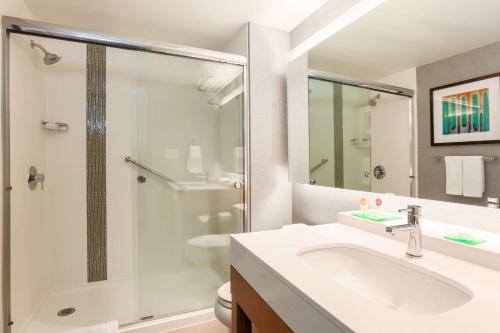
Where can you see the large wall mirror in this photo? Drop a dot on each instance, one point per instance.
(409, 106)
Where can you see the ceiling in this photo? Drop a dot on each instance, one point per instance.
(200, 23)
(401, 34)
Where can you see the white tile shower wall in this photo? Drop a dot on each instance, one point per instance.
(12, 8)
(407, 79)
(66, 171)
(355, 125)
(320, 205)
(121, 183)
(30, 229)
(66, 164)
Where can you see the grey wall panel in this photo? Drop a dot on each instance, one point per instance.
(432, 177)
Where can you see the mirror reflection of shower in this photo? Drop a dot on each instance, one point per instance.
(373, 100)
(48, 58)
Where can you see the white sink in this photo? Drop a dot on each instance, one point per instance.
(387, 281)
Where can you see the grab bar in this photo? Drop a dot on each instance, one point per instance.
(128, 159)
(319, 165)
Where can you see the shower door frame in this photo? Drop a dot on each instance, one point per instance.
(41, 29)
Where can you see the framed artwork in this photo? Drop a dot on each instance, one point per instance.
(466, 112)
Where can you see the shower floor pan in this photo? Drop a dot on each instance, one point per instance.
(119, 300)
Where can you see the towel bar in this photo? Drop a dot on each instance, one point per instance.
(485, 158)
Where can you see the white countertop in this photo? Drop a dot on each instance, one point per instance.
(277, 251)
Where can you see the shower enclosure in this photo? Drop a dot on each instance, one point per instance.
(124, 171)
(360, 135)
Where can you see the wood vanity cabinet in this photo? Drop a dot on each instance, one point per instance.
(249, 309)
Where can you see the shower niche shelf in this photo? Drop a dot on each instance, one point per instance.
(54, 126)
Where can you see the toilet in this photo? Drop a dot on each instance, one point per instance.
(222, 307)
(211, 248)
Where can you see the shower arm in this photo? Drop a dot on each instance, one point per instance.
(44, 50)
(128, 159)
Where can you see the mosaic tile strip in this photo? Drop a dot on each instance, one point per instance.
(96, 163)
(338, 133)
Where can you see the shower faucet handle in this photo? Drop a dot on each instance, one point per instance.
(34, 178)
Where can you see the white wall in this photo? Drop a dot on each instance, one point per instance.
(297, 116)
(271, 191)
(270, 204)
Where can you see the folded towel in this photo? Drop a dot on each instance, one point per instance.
(453, 174)
(195, 161)
(473, 176)
(109, 327)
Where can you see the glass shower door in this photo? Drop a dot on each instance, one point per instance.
(340, 135)
(189, 118)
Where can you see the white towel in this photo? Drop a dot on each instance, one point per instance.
(109, 327)
(195, 161)
(473, 176)
(238, 160)
(453, 174)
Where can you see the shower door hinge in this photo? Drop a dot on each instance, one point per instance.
(10, 323)
(8, 188)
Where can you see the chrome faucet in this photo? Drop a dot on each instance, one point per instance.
(413, 226)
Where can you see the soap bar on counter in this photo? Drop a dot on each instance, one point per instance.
(464, 238)
(375, 217)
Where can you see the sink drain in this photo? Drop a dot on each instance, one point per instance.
(66, 312)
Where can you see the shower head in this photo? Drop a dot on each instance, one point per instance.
(48, 58)
(373, 100)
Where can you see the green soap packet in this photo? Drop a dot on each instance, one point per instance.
(369, 216)
(465, 241)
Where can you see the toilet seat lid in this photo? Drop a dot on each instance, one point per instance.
(224, 292)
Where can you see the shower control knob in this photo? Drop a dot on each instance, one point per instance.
(379, 172)
(238, 185)
(34, 178)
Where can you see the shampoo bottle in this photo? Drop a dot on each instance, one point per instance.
(363, 205)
